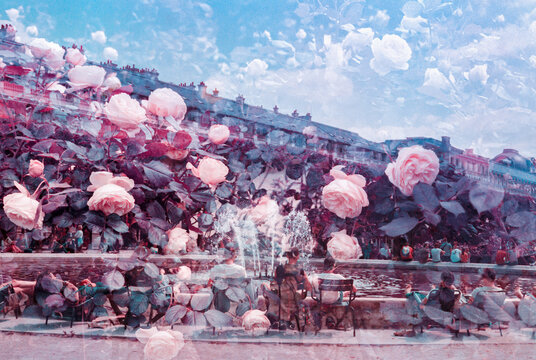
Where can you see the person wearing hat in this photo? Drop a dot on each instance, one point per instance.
(228, 269)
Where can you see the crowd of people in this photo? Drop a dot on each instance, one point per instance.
(508, 253)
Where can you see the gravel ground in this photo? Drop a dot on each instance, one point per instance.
(24, 346)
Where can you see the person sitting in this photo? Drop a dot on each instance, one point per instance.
(228, 269)
(406, 252)
(328, 297)
(444, 295)
(436, 252)
(465, 256)
(531, 294)
(487, 281)
(455, 255)
(385, 252)
(447, 248)
(501, 256)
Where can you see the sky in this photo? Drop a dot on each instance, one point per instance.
(384, 69)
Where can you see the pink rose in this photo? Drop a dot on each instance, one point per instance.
(36, 168)
(176, 154)
(256, 322)
(210, 171)
(345, 196)
(265, 210)
(218, 134)
(50, 52)
(184, 274)
(75, 57)
(344, 247)
(112, 83)
(166, 102)
(125, 112)
(110, 193)
(160, 345)
(177, 240)
(22, 210)
(413, 164)
(81, 77)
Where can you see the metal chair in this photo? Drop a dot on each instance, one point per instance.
(486, 309)
(337, 285)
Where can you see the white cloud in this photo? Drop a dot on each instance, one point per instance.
(32, 30)
(381, 18)
(109, 53)
(301, 34)
(207, 9)
(413, 25)
(532, 60)
(500, 18)
(358, 40)
(256, 68)
(13, 14)
(434, 78)
(479, 74)
(435, 83)
(390, 53)
(99, 36)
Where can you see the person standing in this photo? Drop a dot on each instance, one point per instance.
(79, 237)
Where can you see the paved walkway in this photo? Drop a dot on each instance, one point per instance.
(31, 339)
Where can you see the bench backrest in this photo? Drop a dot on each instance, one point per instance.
(336, 285)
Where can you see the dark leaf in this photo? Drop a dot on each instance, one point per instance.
(218, 319)
(453, 206)
(157, 236)
(151, 270)
(399, 226)
(202, 195)
(138, 303)
(315, 178)
(64, 220)
(509, 207)
(485, 197)
(175, 313)
(431, 217)
(425, 196)
(114, 221)
(384, 206)
(80, 150)
(44, 131)
(205, 220)
(235, 294)
(155, 210)
(242, 308)
(195, 318)
(121, 297)
(96, 153)
(181, 140)
(157, 173)
(522, 218)
(294, 171)
(113, 280)
(221, 302)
